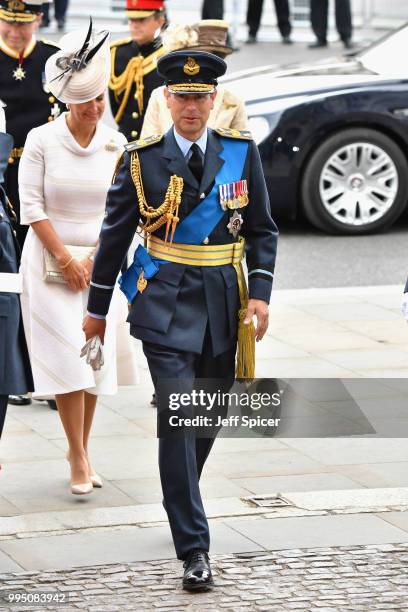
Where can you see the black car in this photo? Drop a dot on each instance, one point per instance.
(333, 136)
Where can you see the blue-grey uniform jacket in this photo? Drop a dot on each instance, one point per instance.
(15, 371)
(182, 300)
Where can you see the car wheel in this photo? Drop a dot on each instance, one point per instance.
(355, 182)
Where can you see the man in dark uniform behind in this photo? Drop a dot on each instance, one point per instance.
(319, 19)
(28, 104)
(254, 16)
(15, 370)
(199, 195)
(212, 9)
(134, 61)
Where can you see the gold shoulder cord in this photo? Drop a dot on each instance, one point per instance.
(11, 211)
(134, 72)
(167, 212)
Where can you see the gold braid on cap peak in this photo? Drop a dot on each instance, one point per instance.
(167, 212)
(11, 16)
(134, 72)
(192, 87)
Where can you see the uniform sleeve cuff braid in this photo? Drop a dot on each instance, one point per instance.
(260, 288)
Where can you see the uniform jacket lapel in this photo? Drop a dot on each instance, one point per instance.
(177, 163)
(212, 162)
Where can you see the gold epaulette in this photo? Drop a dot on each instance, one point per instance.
(142, 143)
(231, 133)
(51, 43)
(122, 41)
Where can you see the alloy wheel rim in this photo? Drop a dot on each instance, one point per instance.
(358, 184)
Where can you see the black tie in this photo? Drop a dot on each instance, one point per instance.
(195, 163)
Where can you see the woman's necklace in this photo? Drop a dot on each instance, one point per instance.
(19, 73)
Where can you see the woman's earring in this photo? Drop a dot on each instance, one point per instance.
(68, 106)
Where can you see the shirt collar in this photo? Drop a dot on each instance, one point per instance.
(185, 144)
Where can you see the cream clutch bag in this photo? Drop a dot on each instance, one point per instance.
(52, 272)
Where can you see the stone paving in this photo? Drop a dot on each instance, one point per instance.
(365, 578)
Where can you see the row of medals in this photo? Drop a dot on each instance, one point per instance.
(232, 197)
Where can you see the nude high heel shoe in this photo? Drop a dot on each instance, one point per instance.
(95, 479)
(80, 489)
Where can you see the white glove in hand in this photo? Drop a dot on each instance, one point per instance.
(404, 306)
(93, 351)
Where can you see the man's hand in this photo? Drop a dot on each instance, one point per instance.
(260, 309)
(94, 327)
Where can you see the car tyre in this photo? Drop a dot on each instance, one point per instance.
(312, 202)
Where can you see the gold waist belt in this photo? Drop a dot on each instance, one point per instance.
(217, 255)
(197, 255)
(15, 153)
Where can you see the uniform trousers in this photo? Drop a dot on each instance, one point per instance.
(60, 10)
(3, 410)
(254, 14)
(11, 188)
(182, 457)
(319, 19)
(212, 9)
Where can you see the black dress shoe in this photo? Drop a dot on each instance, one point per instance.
(251, 40)
(52, 403)
(348, 44)
(286, 40)
(61, 25)
(318, 44)
(19, 400)
(197, 571)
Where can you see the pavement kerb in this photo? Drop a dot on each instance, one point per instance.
(300, 504)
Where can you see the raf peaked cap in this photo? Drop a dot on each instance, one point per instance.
(191, 71)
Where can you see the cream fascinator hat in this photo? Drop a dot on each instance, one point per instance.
(80, 71)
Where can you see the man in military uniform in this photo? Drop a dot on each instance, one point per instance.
(134, 62)
(15, 371)
(28, 105)
(201, 199)
(254, 16)
(212, 9)
(319, 19)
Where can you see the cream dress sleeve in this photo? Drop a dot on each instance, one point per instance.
(157, 119)
(229, 111)
(31, 167)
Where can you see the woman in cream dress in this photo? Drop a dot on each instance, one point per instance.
(65, 172)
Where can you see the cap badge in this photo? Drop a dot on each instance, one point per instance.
(16, 5)
(191, 67)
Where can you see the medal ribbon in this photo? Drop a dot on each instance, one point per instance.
(205, 217)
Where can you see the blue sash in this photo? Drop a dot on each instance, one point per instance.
(205, 217)
(198, 224)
